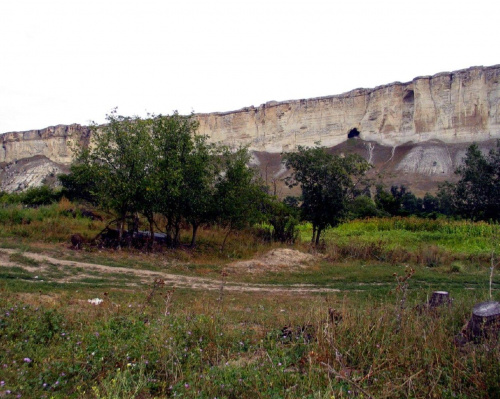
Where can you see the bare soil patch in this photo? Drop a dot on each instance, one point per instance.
(274, 259)
(281, 259)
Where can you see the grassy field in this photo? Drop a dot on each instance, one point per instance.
(368, 336)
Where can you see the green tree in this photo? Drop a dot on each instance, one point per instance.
(399, 201)
(446, 199)
(477, 193)
(283, 217)
(43, 195)
(239, 193)
(387, 202)
(363, 206)
(328, 183)
(80, 183)
(198, 190)
(430, 203)
(160, 166)
(177, 155)
(117, 158)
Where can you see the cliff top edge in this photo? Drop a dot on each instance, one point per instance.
(351, 93)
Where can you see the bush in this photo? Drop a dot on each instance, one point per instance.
(37, 196)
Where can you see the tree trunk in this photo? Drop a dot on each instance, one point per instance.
(193, 239)
(151, 232)
(318, 234)
(225, 238)
(177, 233)
(169, 231)
(135, 223)
(121, 224)
(313, 235)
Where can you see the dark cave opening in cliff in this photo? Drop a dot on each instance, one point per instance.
(353, 133)
(409, 97)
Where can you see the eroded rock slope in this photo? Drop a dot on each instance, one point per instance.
(415, 132)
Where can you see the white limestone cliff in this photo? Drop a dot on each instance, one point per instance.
(461, 106)
(419, 122)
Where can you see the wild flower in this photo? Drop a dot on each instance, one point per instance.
(95, 301)
(27, 360)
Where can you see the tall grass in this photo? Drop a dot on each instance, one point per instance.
(129, 347)
(49, 223)
(455, 239)
(142, 343)
(414, 224)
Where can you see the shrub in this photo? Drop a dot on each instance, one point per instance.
(37, 196)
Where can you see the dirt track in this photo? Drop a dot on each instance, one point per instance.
(145, 276)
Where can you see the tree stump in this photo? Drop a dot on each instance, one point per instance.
(439, 298)
(485, 320)
(77, 240)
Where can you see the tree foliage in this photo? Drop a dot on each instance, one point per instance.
(328, 183)
(477, 194)
(159, 166)
(118, 162)
(239, 194)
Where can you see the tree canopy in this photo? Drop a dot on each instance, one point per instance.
(477, 193)
(160, 166)
(328, 183)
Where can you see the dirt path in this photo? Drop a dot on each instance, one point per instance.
(145, 276)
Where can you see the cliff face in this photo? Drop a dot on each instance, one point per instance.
(55, 143)
(415, 130)
(461, 106)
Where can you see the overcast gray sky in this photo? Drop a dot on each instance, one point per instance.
(72, 61)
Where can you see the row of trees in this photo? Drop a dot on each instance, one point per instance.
(475, 195)
(160, 166)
